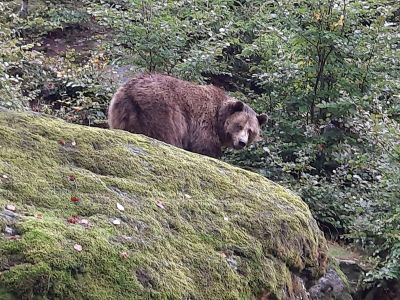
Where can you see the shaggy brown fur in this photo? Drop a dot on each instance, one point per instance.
(197, 118)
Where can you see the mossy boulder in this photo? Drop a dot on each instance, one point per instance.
(89, 213)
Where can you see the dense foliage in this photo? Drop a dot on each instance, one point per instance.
(327, 72)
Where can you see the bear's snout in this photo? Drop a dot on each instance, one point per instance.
(242, 144)
(243, 139)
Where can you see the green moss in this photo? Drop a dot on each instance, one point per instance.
(4, 295)
(222, 233)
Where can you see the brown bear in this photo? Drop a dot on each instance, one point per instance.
(197, 118)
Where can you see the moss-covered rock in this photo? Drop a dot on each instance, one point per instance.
(192, 227)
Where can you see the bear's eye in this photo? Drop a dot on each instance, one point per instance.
(250, 132)
(239, 127)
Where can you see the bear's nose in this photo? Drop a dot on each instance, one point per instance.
(242, 144)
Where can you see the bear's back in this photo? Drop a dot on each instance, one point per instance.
(158, 89)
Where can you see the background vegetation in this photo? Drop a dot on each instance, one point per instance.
(326, 71)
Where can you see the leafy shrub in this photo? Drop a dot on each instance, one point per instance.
(77, 93)
(13, 58)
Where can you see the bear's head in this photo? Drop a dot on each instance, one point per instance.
(239, 124)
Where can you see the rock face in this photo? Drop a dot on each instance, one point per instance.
(89, 213)
(330, 286)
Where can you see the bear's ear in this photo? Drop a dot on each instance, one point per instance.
(262, 119)
(229, 109)
(236, 106)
